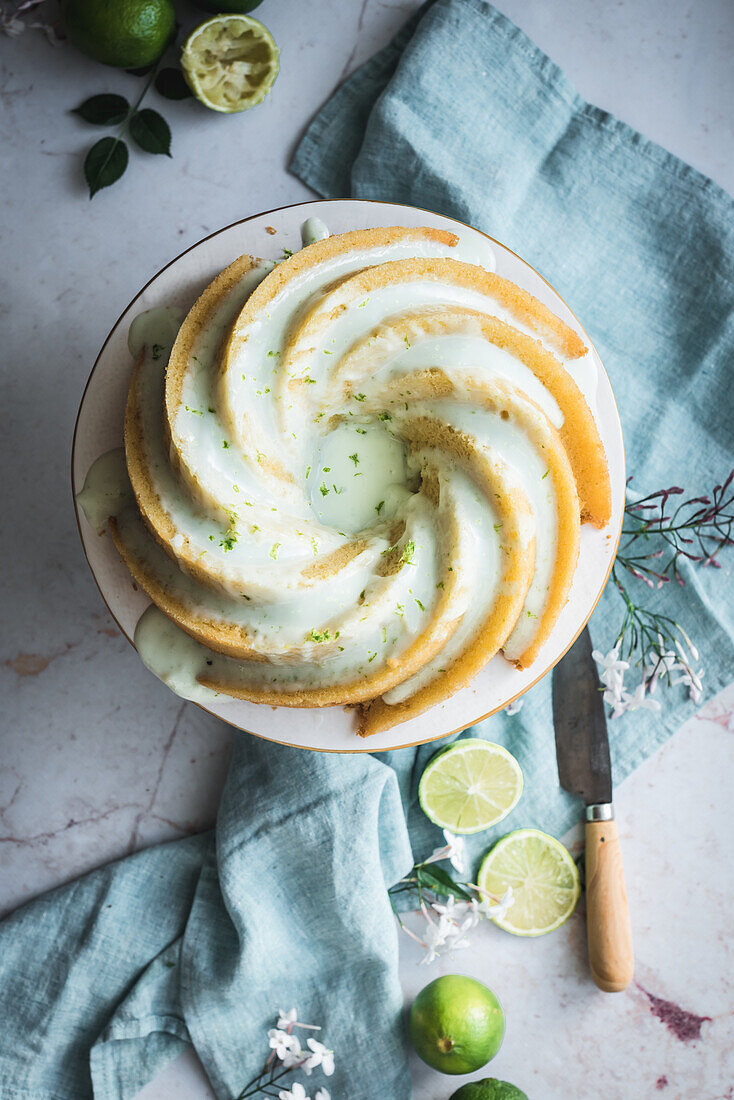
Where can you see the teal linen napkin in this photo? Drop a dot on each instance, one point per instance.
(200, 942)
(642, 247)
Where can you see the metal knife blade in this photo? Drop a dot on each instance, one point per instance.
(582, 743)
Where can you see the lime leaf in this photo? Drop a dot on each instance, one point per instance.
(105, 163)
(170, 83)
(151, 132)
(103, 110)
(440, 881)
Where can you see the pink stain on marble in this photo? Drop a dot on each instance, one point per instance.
(684, 1025)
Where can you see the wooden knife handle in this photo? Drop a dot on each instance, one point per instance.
(611, 957)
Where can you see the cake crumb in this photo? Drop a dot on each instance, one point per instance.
(270, 229)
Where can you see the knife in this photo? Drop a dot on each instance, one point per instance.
(584, 768)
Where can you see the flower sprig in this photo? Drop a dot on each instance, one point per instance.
(13, 22)
(287, 1055)
(451, 909)
(695, 530)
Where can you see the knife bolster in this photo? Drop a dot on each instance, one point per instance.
(600, 811)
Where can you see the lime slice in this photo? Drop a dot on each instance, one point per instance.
(230, 62)
(470, 785)
(544, 880)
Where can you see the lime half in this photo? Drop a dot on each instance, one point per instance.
(470, 785)
(544, 880)
(230, 62)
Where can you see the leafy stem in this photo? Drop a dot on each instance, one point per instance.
(655, 543)
(696, 531)
(108, 158)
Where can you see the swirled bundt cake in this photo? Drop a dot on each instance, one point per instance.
(361, 474)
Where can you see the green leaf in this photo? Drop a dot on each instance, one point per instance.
(103, 110)
(151, 132)
(440, 881)
(170, 83)
(105, 163)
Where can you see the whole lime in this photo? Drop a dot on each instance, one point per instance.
(234, 7)
(128, 34)
(456, 1024)
(488, 1089)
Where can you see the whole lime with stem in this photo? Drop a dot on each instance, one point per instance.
(488, 1089)
(456, 1024)
(128, 34)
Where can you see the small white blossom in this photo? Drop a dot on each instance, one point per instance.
(639, 699)
(446, 909)
(692, 681)
(287, 1019)
(447, 933)
(498, 909)
(319, 1056)
(612, 677)
(515, 707)
(457, 852)
(660, 663)
(322, 1094)
(473, 915)
(610, 663)
(287, 1047)
(435, 938)
(454, 850)
(296, 1092)
(454, 926)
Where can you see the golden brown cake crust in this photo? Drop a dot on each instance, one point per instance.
(574, 454)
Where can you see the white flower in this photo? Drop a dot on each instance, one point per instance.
(320, 1056)
(435, 938)
(661, 662)
(11, 26)
(639, 700)
(287, 1047)
(498, 909)
(612, 677)
(454, 850)
(473, 915)
(692, 681)
(296, 1092)
(457, 852)
(447, 910)
(610, 663)
(322, 1094)
(451, 924)
(514, 707)
(287, 1019)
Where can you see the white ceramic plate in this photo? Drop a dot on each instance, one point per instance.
(99, 429)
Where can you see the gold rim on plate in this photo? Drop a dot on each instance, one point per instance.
(277, 210)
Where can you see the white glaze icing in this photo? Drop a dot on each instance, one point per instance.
(346, 479)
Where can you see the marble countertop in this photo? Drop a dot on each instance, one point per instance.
(98, 758)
